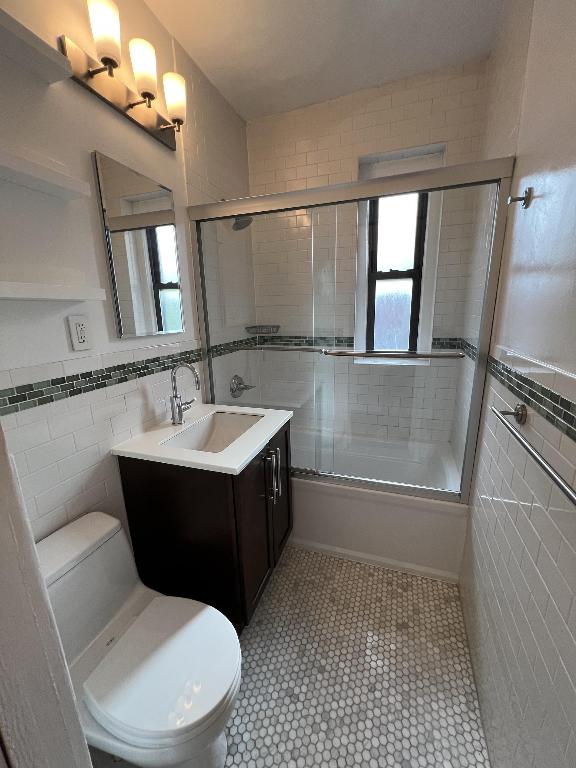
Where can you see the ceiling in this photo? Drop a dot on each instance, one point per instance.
(268, 56)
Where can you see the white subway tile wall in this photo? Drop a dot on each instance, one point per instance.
(305, 261)
(322, 144)
(305, 267)
(519, 593)
(229, 280)
(61, 450)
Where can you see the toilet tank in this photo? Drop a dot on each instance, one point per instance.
(89, 571)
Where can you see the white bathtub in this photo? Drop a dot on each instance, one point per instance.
(403, 532)
(429, 465)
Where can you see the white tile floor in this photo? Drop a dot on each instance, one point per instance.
(347, 664)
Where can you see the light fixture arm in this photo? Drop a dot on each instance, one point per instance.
(108, 65)
(148, 99)
(175, 125)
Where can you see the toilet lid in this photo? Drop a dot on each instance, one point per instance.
(169, 675)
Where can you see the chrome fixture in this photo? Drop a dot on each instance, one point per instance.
(105, 25)
(176, 405)
(520, 413)
(525, 199)
(392, 355)
(275, 458)
(237, 386)
(566, 489)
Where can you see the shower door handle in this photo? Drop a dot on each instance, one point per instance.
(392, 355)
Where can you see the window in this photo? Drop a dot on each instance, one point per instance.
(396, 241)
(165, 280)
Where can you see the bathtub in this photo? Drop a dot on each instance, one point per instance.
(394, 529)
(408, 533)
(429, 465)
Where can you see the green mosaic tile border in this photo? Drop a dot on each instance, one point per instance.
(454, 342)
(232, 346)
(26, 396)
(557, 410)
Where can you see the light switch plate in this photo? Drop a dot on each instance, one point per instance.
(79, 334)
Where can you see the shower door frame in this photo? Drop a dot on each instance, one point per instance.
(498, 171)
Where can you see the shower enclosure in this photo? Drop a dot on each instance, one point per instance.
(366, 309)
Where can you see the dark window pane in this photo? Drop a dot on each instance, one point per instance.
(397, 218)
(392, 306)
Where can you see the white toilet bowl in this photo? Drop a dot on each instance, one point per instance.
(156, 677)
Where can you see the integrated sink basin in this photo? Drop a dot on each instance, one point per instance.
(214, 432)
(219, 438)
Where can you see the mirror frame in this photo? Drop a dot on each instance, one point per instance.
(164, 217)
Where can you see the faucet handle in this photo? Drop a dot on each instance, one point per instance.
(188, 404)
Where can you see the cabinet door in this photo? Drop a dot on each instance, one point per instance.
(183, 529)
(254, 531)
(279, 492)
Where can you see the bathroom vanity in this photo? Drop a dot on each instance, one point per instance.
(209, 504)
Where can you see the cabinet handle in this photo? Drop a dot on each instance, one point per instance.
(273, 459)
(278, 472)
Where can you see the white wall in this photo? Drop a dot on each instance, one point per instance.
(62, 448)
(519, 577)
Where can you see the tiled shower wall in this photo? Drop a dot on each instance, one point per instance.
(304, 269)
(322, 144)
(229, 280)
(305, 261)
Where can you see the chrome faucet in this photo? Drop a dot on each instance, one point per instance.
(177, 406)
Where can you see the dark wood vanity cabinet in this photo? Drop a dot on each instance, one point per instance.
(207, 535)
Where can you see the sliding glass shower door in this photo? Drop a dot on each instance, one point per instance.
(398, 293)
(370, 320)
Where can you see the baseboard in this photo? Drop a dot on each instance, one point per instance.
(361, 557)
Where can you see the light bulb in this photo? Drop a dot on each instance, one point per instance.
(143, 58)
(105, 24)
(175, 96)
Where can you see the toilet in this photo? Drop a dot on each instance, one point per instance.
(155, 677)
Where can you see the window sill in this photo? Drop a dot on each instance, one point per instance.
(389, 361)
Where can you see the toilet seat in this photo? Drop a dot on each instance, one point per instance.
(168, 677)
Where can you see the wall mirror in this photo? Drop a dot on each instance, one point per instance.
(140, 235)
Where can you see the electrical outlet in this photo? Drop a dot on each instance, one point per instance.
(79, 335)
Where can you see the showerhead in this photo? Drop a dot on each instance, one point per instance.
(241, 222)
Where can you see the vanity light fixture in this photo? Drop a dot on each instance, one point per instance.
(105, 25)
(175, 98)
(143, 57)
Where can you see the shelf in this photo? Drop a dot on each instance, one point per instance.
(30, 52)
(41, 175)
(50, 292)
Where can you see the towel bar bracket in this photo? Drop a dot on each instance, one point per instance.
(520, 413)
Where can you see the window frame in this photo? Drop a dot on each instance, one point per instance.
(157, 284)
(415, 273)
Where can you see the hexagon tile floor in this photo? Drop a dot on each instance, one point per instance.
(348, 664)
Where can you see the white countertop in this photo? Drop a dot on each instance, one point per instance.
(152, 445)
